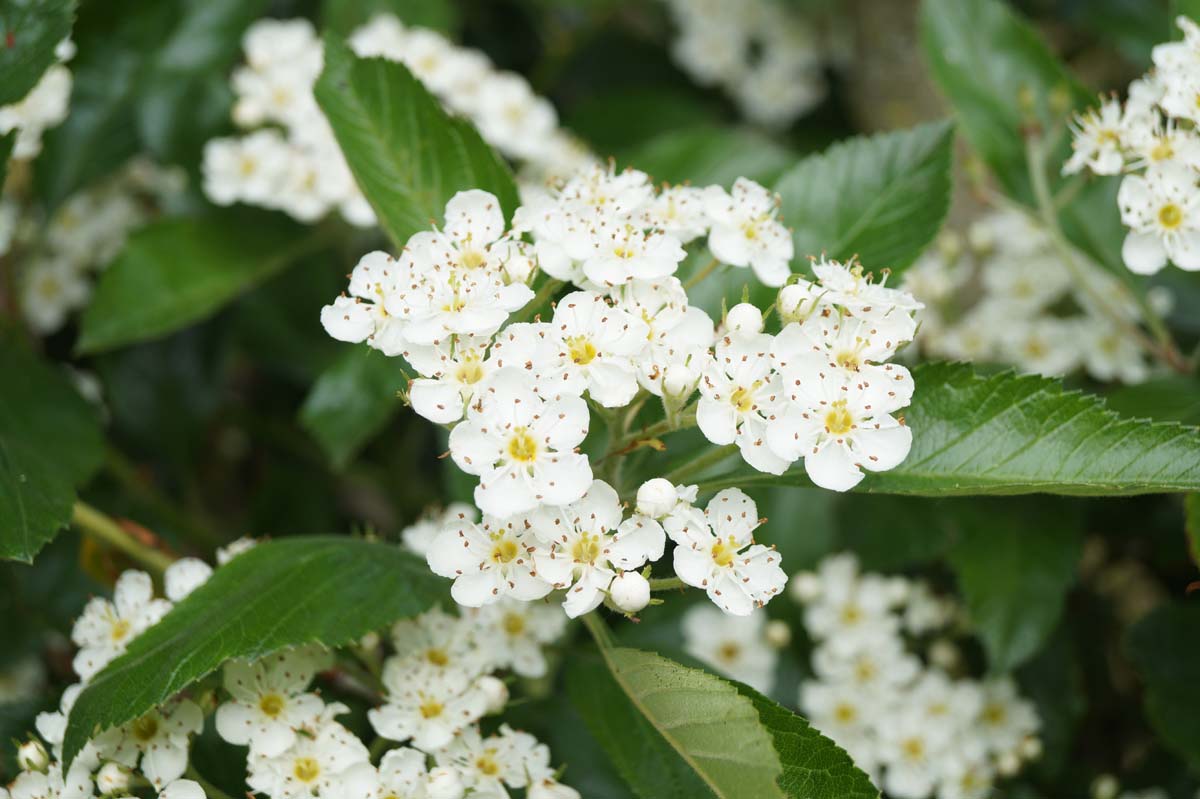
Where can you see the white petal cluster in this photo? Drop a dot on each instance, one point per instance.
(736, 647)
(1005, 296)
(44, 107)
(765, 56)
(916, 729)
(1151, 138)
(289, 160)
(57, 260)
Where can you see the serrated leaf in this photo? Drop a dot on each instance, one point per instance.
(322, 589)
(352, 401)
(706, 155)
(1165, 648)
(179, 271)
(408, 155)
(814, 767)
(882, 198)
(32, 29)
(1008, 434)
(50, 443)
(1000, 77)
(1014, 564)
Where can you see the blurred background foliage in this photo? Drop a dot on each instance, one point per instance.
(253, 421)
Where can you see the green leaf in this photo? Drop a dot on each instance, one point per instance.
(1165, 648)
(1000, 78)
(814, 767)
(343, 16)
(179, 271)
(351, 402)
(706, 154)
(50, 443)
(6, 147)
(408, 155)
(1015, 563)
(32, 29)
(882, 198)
(323, 589)
(1175, 398)
(1008, 434)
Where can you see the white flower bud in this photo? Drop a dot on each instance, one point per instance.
(678, 382)
(184, 576)
(804, 587)
(32, 756)
(656, 498)
(949, 245)
(549, 789)
(444, 783)
(495, 691)
(744, 318)
(795, 302)
(1105, 787)
(370, 641)
(1031, 748)
(778, 634)
(182, 789)
(113, 778)
(980, 237)
(630, 591)
(1008, 764)
(944, 654)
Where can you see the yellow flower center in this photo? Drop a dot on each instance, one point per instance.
(849, 360)
(247, 166)
(504, 550)
(586, 548)
(522, 446)
(581, 350)
(838, 420)
(472, 259)
(1035, 348)
(486, 763)
(624, 252)
(994, 713)
(1170, 216)
(271, 705)
(750, 230)
(145, 728)
(120, 629)
(729, 652)
(845, 713)
(913, 748)
(469, 371)
(851, 614)
(743, 399)
(513, 623)
(723, 553)
(437, 656)
(431, 708)
(1162, 151)
(306, 769)
(864, 671)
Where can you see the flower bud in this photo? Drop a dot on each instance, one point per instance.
(678, 382)
(795, 302)
(495, 691)
(944, 654)
(549, 789)
(656, 498)
(184, 576)
(1105, 787)
(32, 756)
(1031, 748)
(1008, 764)
(744, 318)
(630, 591)
(804, 587)
(778, 634)
(113, 778)
(444, 783)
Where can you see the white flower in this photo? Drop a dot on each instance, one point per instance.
(454, 370)
(613, 255)
(911, 749)
(512, 634)
(588, 544)
(588, 346)
(522, 446)
(419, 535)
(847, 715)
(184, 576)
(488, 561)
(1162, 210)
(105, 628)
(740, 395)
(1110, 353)
(1097, 139)
(1005, 719)
(250, 169)
(362, 316)
(316, 765)
(51, 289)
(158, 739)
(677, 339)
(234, 548)
(487, 765)
(512, 117)
(1046, 345)
(50, 785)
(269, 700)
(436, 642)
(857, 292)
(402, 773)
(45, 106)
(679, 212)
(716, 551)
(736, 647)
(182, 789)
(431, 710)
(745, 231)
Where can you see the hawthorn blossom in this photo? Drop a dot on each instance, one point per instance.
(105, 628)
(430, 710)
(270, 700)
(746, 232)
(1162, 210)
(487, 561)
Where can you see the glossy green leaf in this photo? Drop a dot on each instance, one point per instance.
(1174, 398)
(706, 155)
(352, 401)
(408, 155)
(50, 443)
(1165, 648)
(882, 198)
(32, 29)
(1008, 434)
(1015, 564)
(1000, 78)
(323, 589)
(179, 271)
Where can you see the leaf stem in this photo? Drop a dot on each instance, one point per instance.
(599, 630)
(703, 273)
(548, 290)
(666, 584)
(97, 525)
(698, 465)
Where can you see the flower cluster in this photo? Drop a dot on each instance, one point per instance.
(746, 649)
(437, 685)
(918, 730)
(45, 106)
(761, 53)
(1152, 139)
(1001, 294)
(82, 236)
(290, 160)
(516, 395)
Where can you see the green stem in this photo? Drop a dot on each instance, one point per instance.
(666, 584)
(127, 474)
(684, 420)
(599, 630)
(96, 525)
(703, 273)
(693, 467)
(210, 790)
(541, 299)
